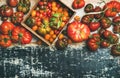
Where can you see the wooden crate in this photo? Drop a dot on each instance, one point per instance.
(38, 35)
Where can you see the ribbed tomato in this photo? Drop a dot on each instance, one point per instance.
(78, 32)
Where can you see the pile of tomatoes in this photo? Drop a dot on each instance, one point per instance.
(104, 25)
(11, 30)
(48, 19)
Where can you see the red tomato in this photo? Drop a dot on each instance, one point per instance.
(5, 41)
(78, 4)
(94, 26)
(78, 32)
(107, 34)
(6, 11)
(96, 36)
(20, 34)
(92, 44)
(13, 3)
(105, 44)
(6, 27)
(113, 7)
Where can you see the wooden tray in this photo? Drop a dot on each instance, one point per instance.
(38, 35)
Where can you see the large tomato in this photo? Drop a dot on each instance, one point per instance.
(6, 27)
(113, 7)
(78, 4)
(78, 32)
(5, 41)
(20, 34)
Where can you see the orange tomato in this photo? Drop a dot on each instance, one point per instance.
(65, 13)
(47, 36)
(54, 8)
(33, 13)
(54, 4)
(54, 36)
(51, 40)
(61, 36)
(62, 24)
(51, 32)
(35, 27)
(64, 18)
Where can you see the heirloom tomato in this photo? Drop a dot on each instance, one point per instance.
(92, 44)
(21, 35)
(6, 27)
(78, 32)
(115, 49)
(113, 7)
(77, 4)
(12, 3)
(6, 11)
(5, 41)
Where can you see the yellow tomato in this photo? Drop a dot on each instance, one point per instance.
(33, 13)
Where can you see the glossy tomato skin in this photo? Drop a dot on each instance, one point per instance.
(104, 43)
(96, 36)
(6, 11)
(92, 44)
(78, 32)
(105, 22)
(77, 4)
(115, 50)
(17, 17)
(113, 7)
(89, 8)
(5, 41)
(20, 34)
(107, 34)
(94, 26)
(86, 19)
(116, 21)
(12, 3)
(6, 27)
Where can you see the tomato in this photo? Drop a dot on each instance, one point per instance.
(89, 8)
(96, 36)
(113, 7)
(94, 26)
(105, 22)
(6, 11)
(24, 6)
(77, 4)
(116, 21)
(78, 32)
(104, 43)
(61, 44)
(17, 17)
(116, 29)
(21, 35)
(5, 41)
(43, 30)
(98, 9)
(115, 49)
(107, 34)
(86, 19)
(113, 39)
(6, 27)
(12, 3)
(92, 44)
